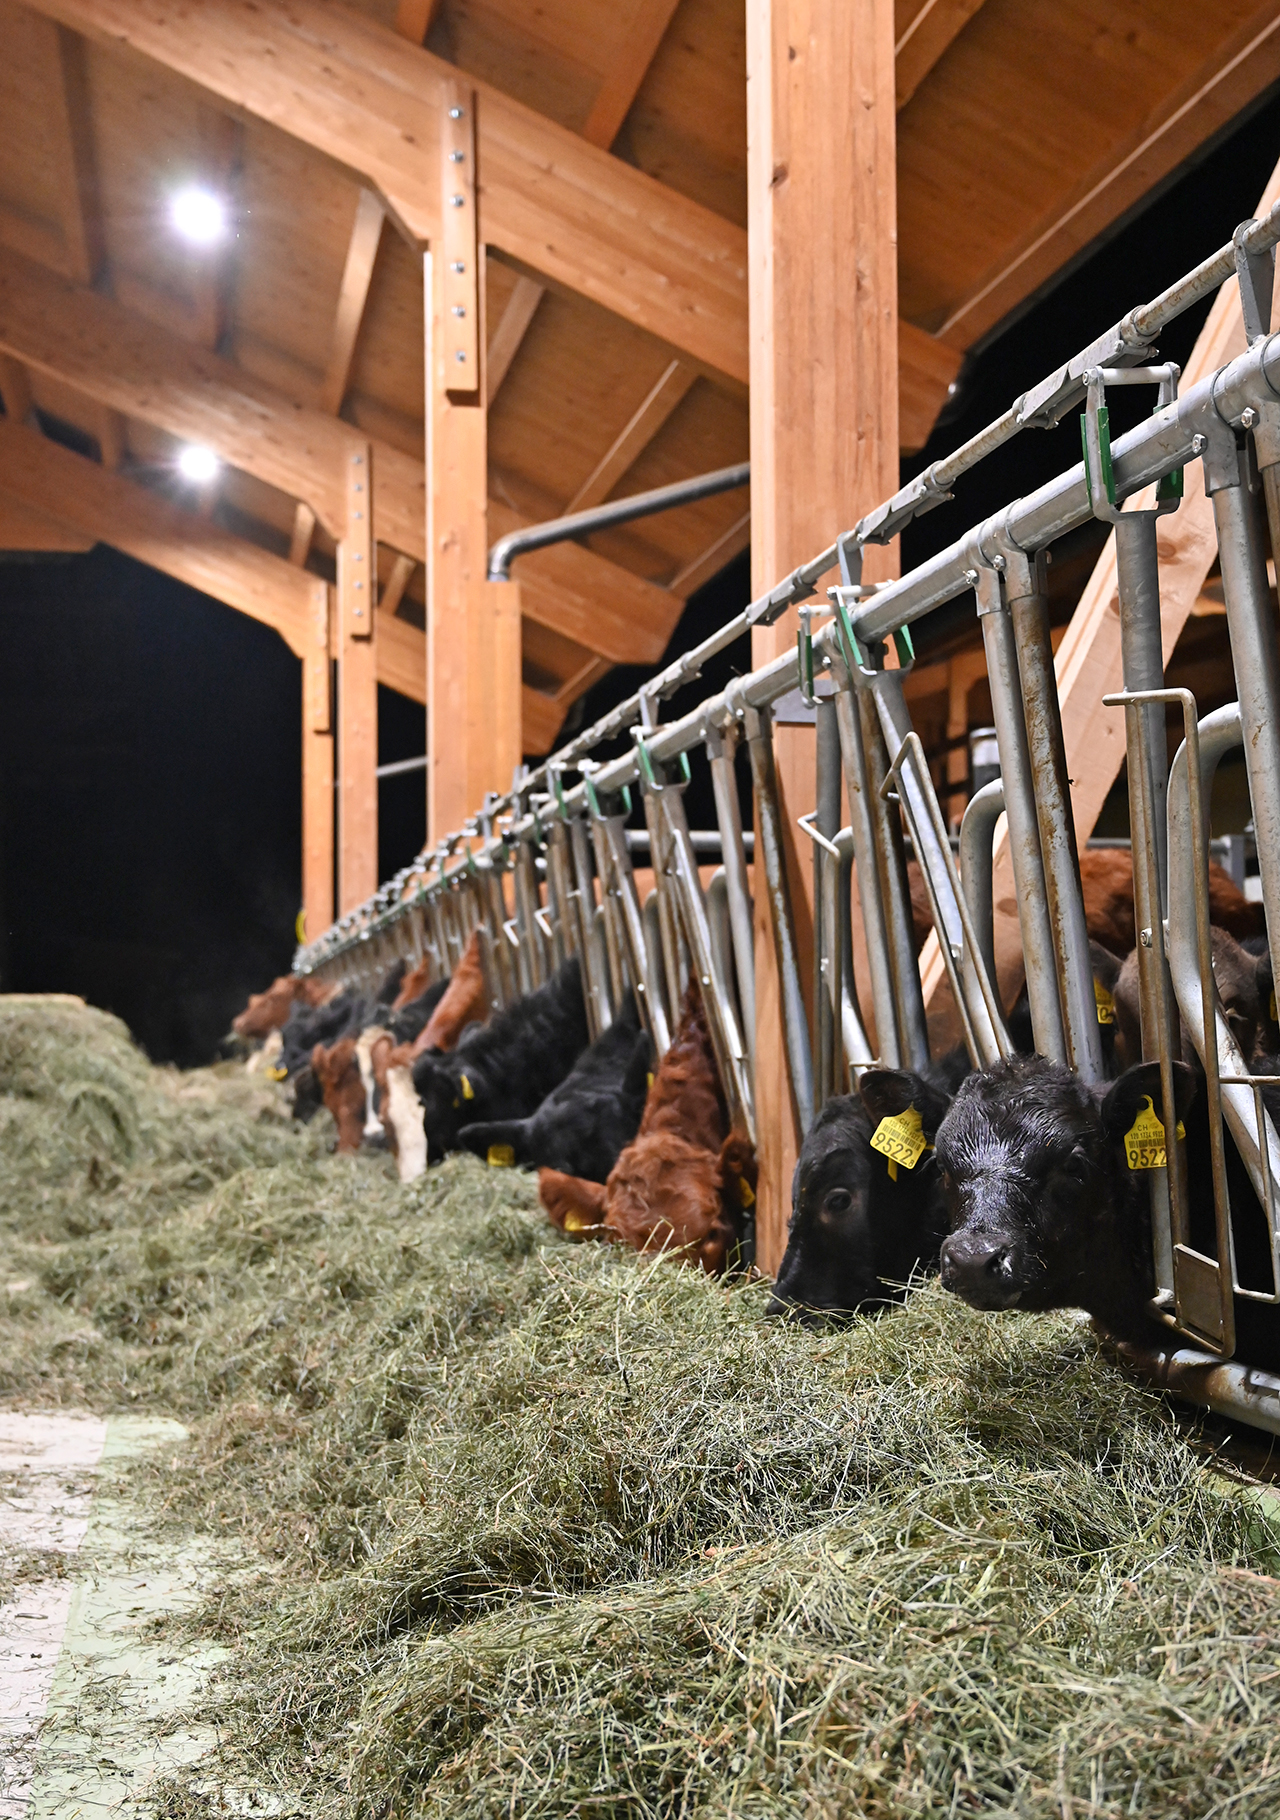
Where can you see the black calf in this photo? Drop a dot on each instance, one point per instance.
(583, 1125)
(1044, 1210)
(860, 1225)
(507, 1067)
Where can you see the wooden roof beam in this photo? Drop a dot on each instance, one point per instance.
(927, 30)
(15, 390)
(1240, 69)
(513, 325)
(353, 295)
(76, 169)
(631, 441)
(368, 99)
(414, 19)
(627, 71)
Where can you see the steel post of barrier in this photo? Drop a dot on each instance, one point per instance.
(875, 932)
(895, 891)
(644, 967)
(826, 912)
(1020, 807)
(770, 859)
(721, 741)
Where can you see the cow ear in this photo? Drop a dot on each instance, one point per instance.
(639, 1068)
(1105, 966)
(887, 1091)
(1127, 1097)
(738, 1168)
(496, 1141)
(572, 1204)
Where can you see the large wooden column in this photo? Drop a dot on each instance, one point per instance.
(824, 383)
(357, 689)
(317, 770)
(473, 626)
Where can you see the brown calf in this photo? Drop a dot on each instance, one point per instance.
(269, 1010)
(681, 1184)
(338, 1073)
(1106, 875)
(464, 1002)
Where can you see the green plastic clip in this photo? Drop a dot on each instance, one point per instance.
(1107, 476)
(647, 771)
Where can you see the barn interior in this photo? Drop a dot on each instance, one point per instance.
(329, 1485)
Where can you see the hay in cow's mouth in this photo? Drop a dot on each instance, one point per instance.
(549, 1529)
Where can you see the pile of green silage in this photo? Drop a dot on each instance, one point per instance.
(551, 1530)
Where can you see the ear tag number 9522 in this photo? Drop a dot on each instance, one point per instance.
(900, 1138)
(1144, 1140)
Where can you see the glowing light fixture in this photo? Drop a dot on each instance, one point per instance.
(197, 463)
(198, 215)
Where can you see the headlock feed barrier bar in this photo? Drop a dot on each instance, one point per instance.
(546, 871)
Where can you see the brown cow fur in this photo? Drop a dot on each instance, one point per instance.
(269, 1010)
(464, 1002)
(1106, 877)
(412, 986)
(338, 1073)
(679, 1185)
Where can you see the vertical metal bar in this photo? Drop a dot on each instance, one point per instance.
(858, 788)
(595, 965)
(724, 783)
(826, 921)
(858, 1053)
(770, 855)
(1029, 610)
(1020, 807)
(646, 967)
(611, 916)
(660, 858)
(532, 950)
(895, 893)
(1255, 652)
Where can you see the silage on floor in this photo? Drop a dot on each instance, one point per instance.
(554, 1531)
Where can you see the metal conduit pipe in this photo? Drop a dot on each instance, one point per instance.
(1167, 440)
(613, 512)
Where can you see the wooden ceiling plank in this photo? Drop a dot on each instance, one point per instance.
(77, 172)
(628, 70)
(931, 30)
(15, 389)
(368, 99)
(353, 295)
(414, 19)
(512, 327)
(542, 717)
(111, 438)
(1240, 68)
(635, 437)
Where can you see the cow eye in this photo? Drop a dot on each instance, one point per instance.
(839, 1200)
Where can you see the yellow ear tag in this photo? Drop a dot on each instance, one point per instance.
(900, 1137)
(746, 1193)
(649, 1077)
(501, 1156)
(277, 1074)
(468, 1091)
(1105, 1003)
(574, 1222)
(1144, 1140)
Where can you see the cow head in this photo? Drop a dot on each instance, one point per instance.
(1043, 1212)
(338, 1073)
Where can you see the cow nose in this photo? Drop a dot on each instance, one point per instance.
(969, 1257)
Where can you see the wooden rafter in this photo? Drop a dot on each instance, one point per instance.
(398, 580)
(631, 441)
(210, 269)
(710, 561)
(80, 205)
(369, 100)
(26, 527)
(1240, 68)
(627, 70)
(304, 529)
(414, 17)
(928, 31)
(511, 329)
(353, 294)
(15, 390)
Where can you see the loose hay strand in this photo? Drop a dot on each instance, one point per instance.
(549, 1530)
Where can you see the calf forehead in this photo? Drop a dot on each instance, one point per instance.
(995, 1125)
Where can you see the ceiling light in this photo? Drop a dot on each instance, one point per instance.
(198, 215)
(197, 463)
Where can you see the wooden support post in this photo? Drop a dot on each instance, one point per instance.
(824, 387)
(357, 691)
(473, 626)
(317, 769)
